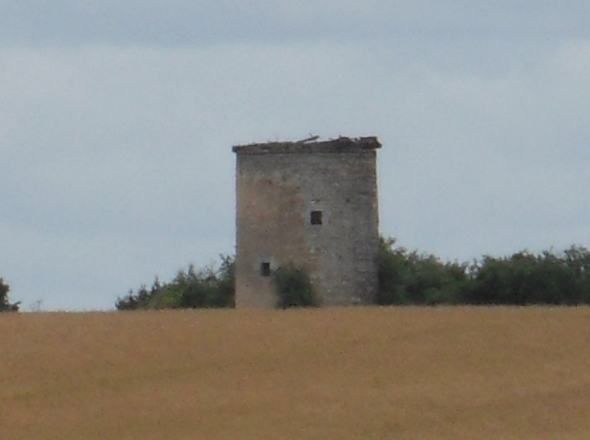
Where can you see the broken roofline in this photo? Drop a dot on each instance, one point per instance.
(310, 145)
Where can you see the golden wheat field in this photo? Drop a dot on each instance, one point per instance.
(336, 373)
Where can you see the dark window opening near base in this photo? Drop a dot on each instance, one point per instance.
(316, 217)
(265, 269)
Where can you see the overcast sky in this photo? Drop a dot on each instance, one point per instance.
(117, 120)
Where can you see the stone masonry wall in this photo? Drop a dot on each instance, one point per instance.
(278, 186)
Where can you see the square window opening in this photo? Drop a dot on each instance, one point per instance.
(265, 269)
(316, 217)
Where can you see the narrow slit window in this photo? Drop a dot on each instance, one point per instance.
(265, 269)
(316, 217)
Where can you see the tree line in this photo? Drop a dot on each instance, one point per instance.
(523, 278)
(405, 278)
(206, 288)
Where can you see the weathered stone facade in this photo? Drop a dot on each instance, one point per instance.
(312, 205)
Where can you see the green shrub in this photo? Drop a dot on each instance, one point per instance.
(168, 298)
(520, 279)
(294, 288)
(526, 278)
(5, 305)
(208, 288)
(411, 278)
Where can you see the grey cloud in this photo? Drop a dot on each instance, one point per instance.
(184, 22)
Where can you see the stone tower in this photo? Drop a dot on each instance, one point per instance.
(312, 205)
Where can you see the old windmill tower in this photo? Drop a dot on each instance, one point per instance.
(311, 204)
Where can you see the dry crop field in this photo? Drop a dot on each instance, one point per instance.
(336, 373)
